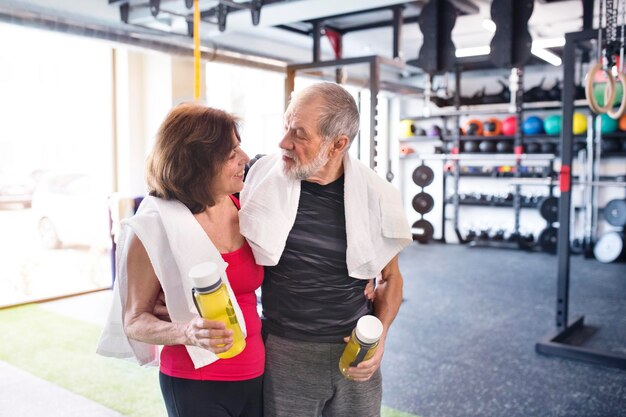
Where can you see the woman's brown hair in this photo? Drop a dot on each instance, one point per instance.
(192, 144)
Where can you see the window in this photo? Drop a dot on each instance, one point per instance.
(256, 96)
(56, 119)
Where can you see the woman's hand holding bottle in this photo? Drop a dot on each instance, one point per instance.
(209, 334)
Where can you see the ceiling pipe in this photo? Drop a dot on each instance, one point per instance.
(37, 18)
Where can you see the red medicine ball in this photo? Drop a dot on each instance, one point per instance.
(509, 126)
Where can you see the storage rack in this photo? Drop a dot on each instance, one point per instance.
(517, 158)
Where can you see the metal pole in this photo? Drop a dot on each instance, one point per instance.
(565, 201)
(374, 89)
(517, 78)
(317, 42)
(457, 146)
(397, 30)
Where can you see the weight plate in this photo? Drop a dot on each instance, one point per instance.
(423, 176)
(423, 202)
(549, 208)
(609, 248)
(548, 239)
(422, 231)
(615, 212)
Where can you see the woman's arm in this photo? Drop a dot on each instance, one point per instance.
(141, 324)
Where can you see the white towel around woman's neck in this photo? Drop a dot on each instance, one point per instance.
(376, 225)
(175, 242)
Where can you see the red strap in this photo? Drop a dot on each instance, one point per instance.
(519, 150)
(565, 179)
(335, 41)
(454, 151)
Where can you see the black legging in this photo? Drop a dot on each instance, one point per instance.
(191, 398)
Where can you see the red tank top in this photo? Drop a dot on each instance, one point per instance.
(245, 276)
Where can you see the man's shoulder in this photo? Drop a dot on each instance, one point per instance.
(375, 182)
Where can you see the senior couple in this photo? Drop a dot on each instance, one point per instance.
(313, 227)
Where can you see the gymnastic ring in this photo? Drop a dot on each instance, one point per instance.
(622, 106)
(609, 90)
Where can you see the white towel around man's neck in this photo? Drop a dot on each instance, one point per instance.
(175, 242)
(376, 225)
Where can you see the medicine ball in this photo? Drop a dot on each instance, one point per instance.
(579, 124)
(622, 123)
(548, 147)
(533, 147)
(420, 131)
(509, 126)
(609, 125)
(487, 146)
(434, 131)
(470, 146)
(407, 128)
(473, 127)
(552, 124)
(598, 93)
(504, 146)
(492, 127)
(533, 125)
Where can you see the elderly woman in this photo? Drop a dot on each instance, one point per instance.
(191, 216)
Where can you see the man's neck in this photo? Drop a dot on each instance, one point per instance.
(329, 172)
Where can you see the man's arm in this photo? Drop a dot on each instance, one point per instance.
(387, 300)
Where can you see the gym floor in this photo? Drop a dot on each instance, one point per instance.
(463, 343)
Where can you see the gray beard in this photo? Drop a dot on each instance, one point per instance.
(302, 172)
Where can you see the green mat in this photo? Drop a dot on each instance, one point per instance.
(60, 350)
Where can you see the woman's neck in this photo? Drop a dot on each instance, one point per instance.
(222, 204)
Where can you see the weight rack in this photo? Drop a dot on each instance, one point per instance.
(556, 343)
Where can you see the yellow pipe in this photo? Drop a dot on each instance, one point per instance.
(196, 49)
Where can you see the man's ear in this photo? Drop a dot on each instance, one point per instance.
(340, 144)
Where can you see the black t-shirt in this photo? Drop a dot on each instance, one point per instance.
(309, 296)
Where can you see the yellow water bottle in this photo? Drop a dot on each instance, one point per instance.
(212, 300)
(362, 344)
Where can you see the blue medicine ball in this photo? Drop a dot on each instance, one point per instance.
(533, 125)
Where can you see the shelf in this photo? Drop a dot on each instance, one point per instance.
(481, 156)
(613, 155)
(494, 175)
(423, 139)
(500, 108)
(615, 135)
(526, 138)
(553, 181)
(498, 244)
(481, 203)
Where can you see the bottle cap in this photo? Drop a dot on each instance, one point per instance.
(205, 276)
(369, 329)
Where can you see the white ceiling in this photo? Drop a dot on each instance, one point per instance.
(549, 20)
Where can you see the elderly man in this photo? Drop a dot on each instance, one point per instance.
(323, 224)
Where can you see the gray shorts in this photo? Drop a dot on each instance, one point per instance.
(302, 379)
